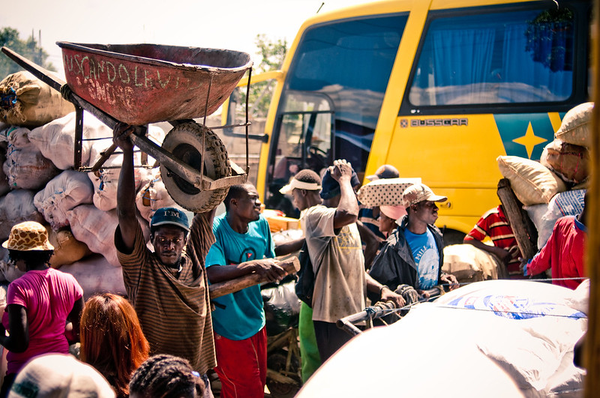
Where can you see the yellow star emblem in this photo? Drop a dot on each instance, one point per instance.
(529, 140)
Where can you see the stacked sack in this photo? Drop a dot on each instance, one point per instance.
(555, 186)
(38, 183)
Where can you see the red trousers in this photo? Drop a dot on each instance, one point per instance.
(242, 365)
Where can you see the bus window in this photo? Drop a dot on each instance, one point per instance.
(495, 58)
(332, 96)
(304, 142)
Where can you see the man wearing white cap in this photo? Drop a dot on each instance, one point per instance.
(413, 253)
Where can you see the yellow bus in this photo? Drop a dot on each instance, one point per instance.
(437, 88)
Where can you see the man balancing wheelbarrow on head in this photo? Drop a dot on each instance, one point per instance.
(168, 288)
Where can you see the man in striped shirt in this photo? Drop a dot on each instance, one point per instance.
(494, 224)
(168, 287)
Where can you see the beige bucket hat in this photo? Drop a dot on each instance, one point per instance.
(28, 236)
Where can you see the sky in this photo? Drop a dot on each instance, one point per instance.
(227, 24)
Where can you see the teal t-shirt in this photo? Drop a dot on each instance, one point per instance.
(426, 257)
(239, 315)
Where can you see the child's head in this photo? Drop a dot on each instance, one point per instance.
(166, 376)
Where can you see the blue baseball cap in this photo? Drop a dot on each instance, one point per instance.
(170, 216)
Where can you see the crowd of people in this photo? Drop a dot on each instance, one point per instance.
(166, 335)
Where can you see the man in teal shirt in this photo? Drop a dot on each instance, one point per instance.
(243, 246)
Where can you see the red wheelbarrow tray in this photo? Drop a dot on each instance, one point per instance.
(139, 84)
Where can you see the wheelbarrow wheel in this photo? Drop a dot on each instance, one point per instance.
(185, 142)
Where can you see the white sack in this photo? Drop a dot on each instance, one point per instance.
(28, 169)
(4, 187)
(18, 137)
(448, 340)
(56, 140)
(63, 193)
(96, 228)
(106, 179)
(425, 354)
(8, 273)
(526, 327)
(568, 203)
(15, 207)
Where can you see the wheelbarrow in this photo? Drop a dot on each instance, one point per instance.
(139, 84)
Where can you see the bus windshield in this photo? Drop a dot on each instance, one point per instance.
(332, 97)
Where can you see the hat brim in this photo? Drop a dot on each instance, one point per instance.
(173, 223)
(41, 248)
(295, 184)
(437, 198)
(286, 189)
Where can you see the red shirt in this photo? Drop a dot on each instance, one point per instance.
(495, 225)
(563, 253)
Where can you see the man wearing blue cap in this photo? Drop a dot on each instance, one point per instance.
(168, 287)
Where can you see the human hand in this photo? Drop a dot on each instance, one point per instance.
(121, 134)
(450, 280)
(341, 169)
(409, 293)
(388, 295)
(523, 266)
(505, 256)
(269, 269)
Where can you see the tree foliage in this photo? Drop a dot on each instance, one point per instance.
(29, 49)
(272, 55)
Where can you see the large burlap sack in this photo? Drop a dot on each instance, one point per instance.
(570, 162)
(4, 187)
(152, 197)
(35, 103)
(470, 264)
(15, 207)
(67, 249)
(532, 182)
(106, 182)
(385, 191)
(106, 179)
(576, 125)
(8, 272)
(18, 138)
(63, 193)
(527, 328)
(96, 275)
(56, 140)
(96, 228)
(28, 169)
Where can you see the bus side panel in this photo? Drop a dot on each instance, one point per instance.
(456, 156)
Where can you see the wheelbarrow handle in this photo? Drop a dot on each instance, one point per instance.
(39, 72)
(61, 86)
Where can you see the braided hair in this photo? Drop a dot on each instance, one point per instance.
(166, 376)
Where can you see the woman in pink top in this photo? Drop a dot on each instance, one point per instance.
(39, 304)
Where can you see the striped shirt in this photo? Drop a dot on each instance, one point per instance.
(495, 225)
(174, 312)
